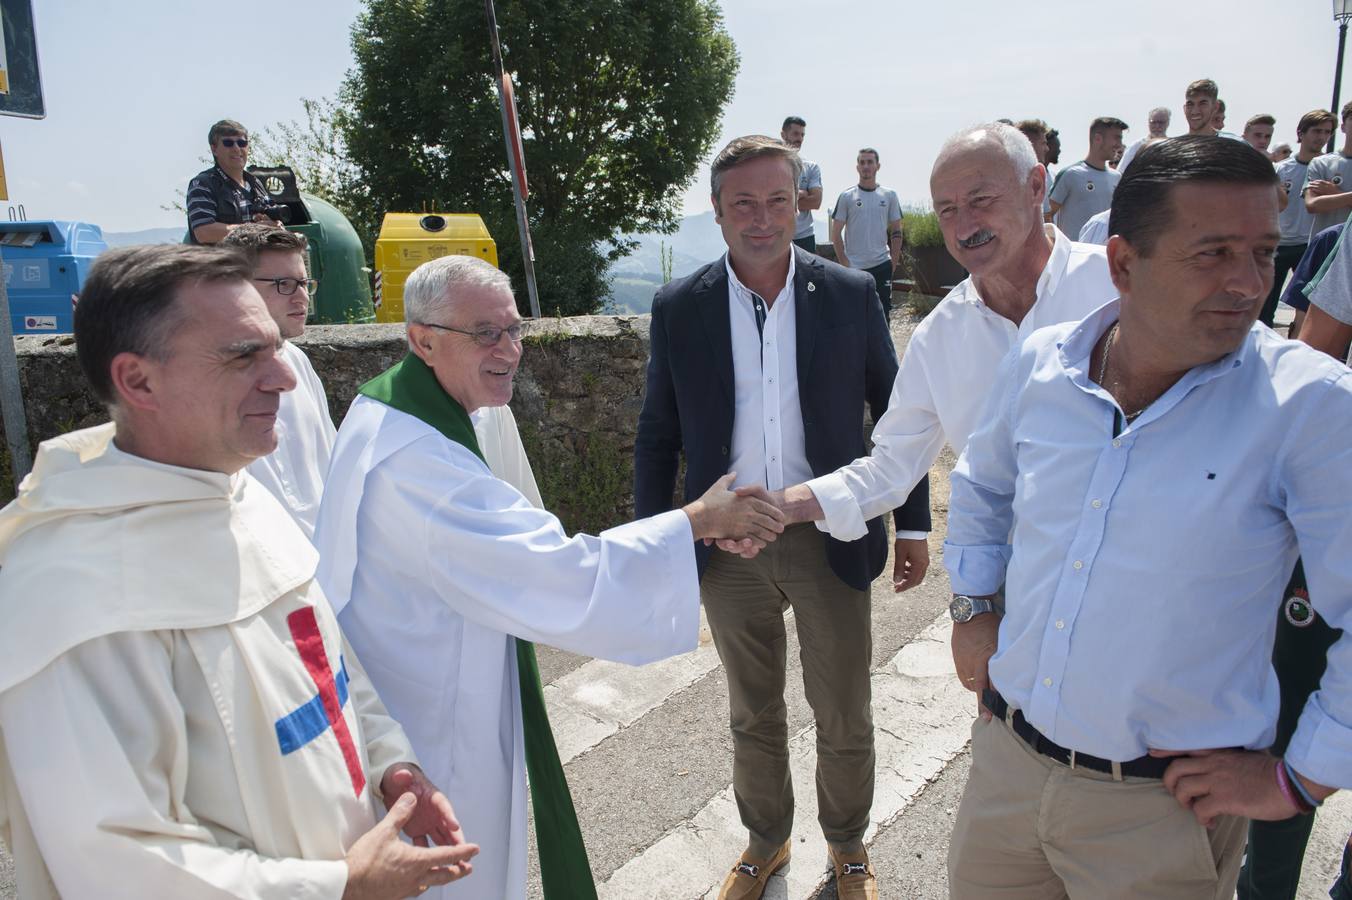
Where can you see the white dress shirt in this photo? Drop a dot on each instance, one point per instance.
(1143, 571)
(294, 472)
(946, 374)
(767, 425)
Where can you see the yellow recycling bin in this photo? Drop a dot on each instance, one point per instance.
(407, 240)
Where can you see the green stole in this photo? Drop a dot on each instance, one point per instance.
(411, 387)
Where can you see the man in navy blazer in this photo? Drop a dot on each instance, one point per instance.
(761, 364)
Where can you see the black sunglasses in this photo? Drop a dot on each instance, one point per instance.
(234, 142)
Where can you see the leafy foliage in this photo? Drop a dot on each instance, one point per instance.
(619, 101)
(315, 151)
(920, 226)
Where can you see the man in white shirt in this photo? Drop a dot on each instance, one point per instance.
(1087, 187)
(761, 364)
(987, 192)
(1158, 123)
(294, 472)
(866, 226)
(1141, 534)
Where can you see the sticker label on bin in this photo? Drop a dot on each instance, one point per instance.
(39, 323)
(28, 274)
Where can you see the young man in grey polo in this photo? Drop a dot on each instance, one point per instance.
(809, 185)
(1313, 133)
(866, 226)
(1086, 188)
(1328, 181)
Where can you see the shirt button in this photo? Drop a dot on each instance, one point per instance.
(1060, 624)
(1079, 564)
(772, 381)
(1117, 442)
(1096, 504)
(1047, 682)
(772, 418)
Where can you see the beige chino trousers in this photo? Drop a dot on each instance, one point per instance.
(1030, 828)
(745, 601)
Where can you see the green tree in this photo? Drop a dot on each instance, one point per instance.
(619, 102)
(314, 149)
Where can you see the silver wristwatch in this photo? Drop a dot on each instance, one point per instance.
(965, 608)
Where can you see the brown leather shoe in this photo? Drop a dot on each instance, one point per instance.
(854, 875)
(748, 878)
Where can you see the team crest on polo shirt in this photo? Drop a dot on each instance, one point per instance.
(1287, 186)
(1337, 179)
(1089, 186)
(859, 203)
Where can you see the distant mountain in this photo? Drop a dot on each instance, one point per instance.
(637, 277)
(146, 236)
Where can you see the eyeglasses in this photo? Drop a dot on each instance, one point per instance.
(234, 142)
(487, 336)
(287, 286)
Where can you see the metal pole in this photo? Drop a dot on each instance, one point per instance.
(11, 393)
(508, 116)
(1338, 78)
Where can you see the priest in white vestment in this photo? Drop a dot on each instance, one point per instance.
(438, 560)
(179, 713)
(294, 472)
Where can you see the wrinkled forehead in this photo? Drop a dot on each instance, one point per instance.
(975, 165)
(479, 304)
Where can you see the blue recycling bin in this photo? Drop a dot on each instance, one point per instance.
(44, 263)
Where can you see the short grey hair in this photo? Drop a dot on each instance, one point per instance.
(429, 292)
(1160, 109)
(1014, 142)
(744, 149)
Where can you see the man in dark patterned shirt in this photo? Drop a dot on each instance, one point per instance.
(225, 195)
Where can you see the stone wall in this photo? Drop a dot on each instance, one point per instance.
(578, 395)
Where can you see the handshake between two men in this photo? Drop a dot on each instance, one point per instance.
(751, 517)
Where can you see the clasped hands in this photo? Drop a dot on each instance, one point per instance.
(380, 865)
(743, 520)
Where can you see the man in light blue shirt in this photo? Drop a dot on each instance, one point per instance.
(1139, 489)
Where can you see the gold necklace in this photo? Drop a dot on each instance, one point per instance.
(1103, 373)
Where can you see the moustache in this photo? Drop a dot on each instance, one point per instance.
(983, 236)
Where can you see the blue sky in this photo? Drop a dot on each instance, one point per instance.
(131, 87)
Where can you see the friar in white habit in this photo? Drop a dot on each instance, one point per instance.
(179, 713)
(443, 573)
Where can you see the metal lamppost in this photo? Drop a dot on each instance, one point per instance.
(1342, 11)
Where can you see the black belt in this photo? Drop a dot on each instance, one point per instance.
(1141, 767)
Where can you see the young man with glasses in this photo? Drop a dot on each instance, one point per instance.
(294, 472)
(225, 196)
